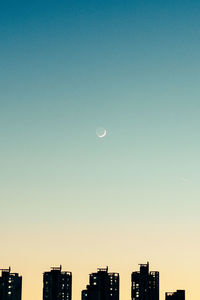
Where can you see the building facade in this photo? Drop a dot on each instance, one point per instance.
(102, 286)
(10, 285)
(178, 295)
(57, 285)
(145, 284)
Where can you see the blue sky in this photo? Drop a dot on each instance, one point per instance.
(68, 67)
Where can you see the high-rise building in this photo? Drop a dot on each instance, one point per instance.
(57, 285)
(102, 286)
(10, 285)
(178, 295)
(145, 284)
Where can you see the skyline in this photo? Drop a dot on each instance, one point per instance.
(57, 282)
(68, 68)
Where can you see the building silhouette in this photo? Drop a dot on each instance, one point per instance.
(178, 295)
(10, 285)
(145, 284)
(57, 285)
(102, 286)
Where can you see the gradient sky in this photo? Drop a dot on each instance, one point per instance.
(70, 198)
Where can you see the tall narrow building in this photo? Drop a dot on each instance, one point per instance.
(145, 284)
(10, 285)
(57, 285)
(102, 286)
(178, 295)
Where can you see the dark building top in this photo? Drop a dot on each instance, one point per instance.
(178, 295)
(145, 284)
(102, 286)
(57, 285)
(10, 285)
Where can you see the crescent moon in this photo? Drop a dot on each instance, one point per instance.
(104, 134)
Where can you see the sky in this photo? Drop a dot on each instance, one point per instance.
(68, 197)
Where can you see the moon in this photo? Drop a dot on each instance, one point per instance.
(101, 132)
(104, 134)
